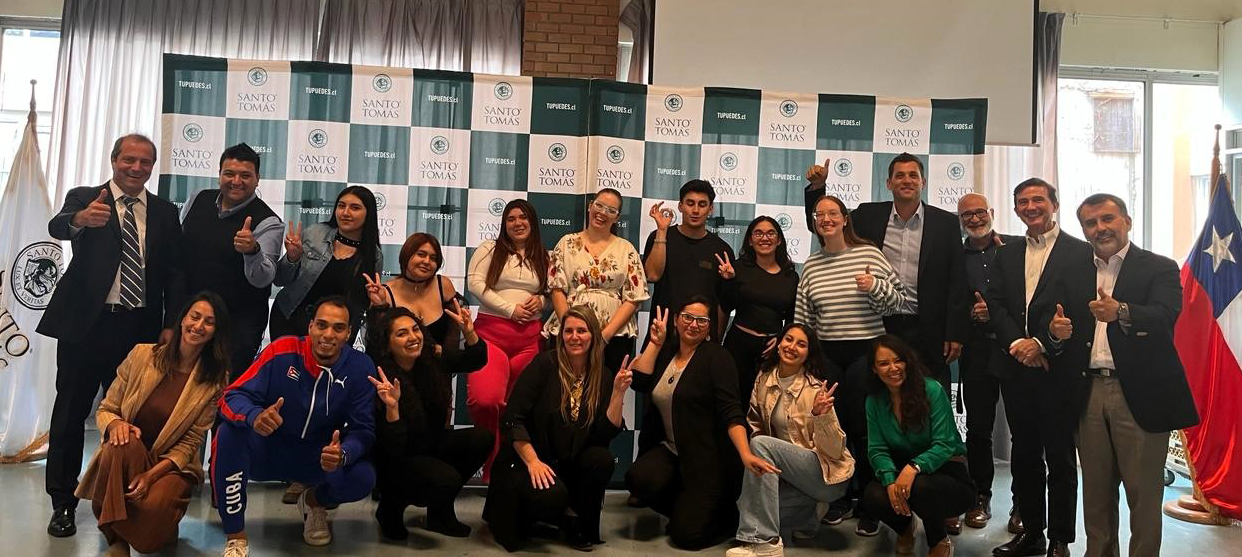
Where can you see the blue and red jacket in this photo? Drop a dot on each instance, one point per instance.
(318, 399)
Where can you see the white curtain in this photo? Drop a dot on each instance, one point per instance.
(482, 36)
(109, 78)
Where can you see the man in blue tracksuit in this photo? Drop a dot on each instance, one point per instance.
(303, 412)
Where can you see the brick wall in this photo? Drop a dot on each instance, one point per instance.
(570, 38)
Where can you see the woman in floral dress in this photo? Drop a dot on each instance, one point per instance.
(598, 269)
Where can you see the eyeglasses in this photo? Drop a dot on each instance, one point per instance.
(761, 234)
(691, 319)
(822, 216)
(610, 211)
(977, 214)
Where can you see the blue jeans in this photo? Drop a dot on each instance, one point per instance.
(770, 501)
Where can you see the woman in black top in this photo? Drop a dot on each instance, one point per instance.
(419, 459)
(761, 287)
(694, 441)
(563, 413)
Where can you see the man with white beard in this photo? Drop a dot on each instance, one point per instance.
(978, 382)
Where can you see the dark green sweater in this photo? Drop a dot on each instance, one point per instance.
(929, 447)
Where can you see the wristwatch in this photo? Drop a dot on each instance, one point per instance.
(1123, 314)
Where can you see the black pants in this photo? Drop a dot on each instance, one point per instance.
(82, 369)
(245, 339)
(907, 327)
(433, 480)
(945, 493)
(514, 505)
(1042, 423)
(849, 363)
(980, 393)
(747, 351)
(698, 517)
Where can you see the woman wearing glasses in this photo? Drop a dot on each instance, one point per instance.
(598, 269)
(847, 288)
(694, 444)
(761, 288)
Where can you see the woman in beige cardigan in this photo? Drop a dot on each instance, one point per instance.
(153, 421)
(794, 430)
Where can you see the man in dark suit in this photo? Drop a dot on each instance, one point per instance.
(111, 298)
(923, 245)
(1032, 303)
(1138, 391)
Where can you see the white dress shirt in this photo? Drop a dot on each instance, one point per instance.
(140, 220)
(1037, 250)
(1106, 278)
(902, 243)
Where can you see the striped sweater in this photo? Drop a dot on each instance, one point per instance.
(829, 301)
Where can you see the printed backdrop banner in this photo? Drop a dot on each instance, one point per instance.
(444, 151)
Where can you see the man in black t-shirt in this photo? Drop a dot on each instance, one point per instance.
(681, 260)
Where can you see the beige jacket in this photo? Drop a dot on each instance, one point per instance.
(822, 434)
(185, 429)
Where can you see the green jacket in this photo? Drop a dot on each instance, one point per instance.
(929, 447)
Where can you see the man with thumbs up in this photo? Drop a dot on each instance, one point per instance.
(1138, 391)
(304, 411)
(230, 244)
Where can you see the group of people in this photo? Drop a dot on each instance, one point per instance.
(768, 393)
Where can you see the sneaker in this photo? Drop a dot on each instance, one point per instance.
(766, 549)
(314, 523)
(237, 548)
(867, 527)
(838, 512)
(292, 493)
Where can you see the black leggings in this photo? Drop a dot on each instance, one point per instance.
(514, 505)
(934, 496)
(747, 351)
(849, 363)
(433, 480)
(698, 517)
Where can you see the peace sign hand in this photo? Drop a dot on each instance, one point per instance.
(624, 377)
(824, 400)
(389, 392)
(375, 290)
(725, 267)
(659, 326)
(293, 243)
(461, 315)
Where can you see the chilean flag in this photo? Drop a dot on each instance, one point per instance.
(1208, 336)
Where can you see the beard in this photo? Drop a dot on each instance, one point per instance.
(978, 232)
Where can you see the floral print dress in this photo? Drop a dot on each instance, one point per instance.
(601, 283)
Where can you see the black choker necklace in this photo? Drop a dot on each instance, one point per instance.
(347, 241)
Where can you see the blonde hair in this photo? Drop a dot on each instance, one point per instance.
(593, 375)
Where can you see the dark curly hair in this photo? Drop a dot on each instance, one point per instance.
(815, 366)
(436, 386)
(915, 407)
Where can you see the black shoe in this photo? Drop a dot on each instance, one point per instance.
(450, 527)
(1015, 522)
(867, 527)
(62, 523)
(391, 521)
(838, 511)
(1022, 544)
(1058, 549)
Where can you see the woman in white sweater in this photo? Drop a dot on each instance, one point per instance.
(509, 277)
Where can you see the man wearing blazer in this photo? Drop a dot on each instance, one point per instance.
(923, 244)
(111, 298)
(1032, 301)
(1137, 390)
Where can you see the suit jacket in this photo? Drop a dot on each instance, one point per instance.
(80, 294)
(183, 433)
(943, 306)
(1148, 367)
(1066, 270)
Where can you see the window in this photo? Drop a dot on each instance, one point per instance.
(1182, 135)
(28, 50)
(1114, 123)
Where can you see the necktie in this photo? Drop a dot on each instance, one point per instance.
(132, 281)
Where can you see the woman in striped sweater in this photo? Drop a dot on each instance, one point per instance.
(847, 288)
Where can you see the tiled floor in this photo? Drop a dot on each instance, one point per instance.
(275, 529)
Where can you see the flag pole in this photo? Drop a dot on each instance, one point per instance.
(30, 118)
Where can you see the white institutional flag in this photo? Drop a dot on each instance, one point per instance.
(31, 262)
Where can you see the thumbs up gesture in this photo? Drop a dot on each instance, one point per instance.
(243, 241)
(1060, 327)
(979, 312)
(269, 419)
(332, 457)
(817, 175)
(96, 214)
(865, 281)
(1105, 308)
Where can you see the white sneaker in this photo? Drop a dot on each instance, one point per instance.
(757, 550)
(314, 523)
(237, 548)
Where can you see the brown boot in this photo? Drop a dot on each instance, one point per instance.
(1015, 522)
(953, 525)
(942, 549)
(979, 516)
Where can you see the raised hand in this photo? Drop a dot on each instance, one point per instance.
(817, 175)
(663, 217)
(293, 243)
(980, 310)
(243, 240)
(659, 326)
(331, 456)
(767, 349)
(121, 431)
(1060, 327)
(624, 377)
(725, 267)
(96, 214)
(824, 400)
(1105, 308)
(375, 290)
(269, 419)
(865, 281)
(389, 392)
(461, 315)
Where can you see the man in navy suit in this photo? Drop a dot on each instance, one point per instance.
(111, 298)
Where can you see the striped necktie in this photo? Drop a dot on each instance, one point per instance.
(132, 293)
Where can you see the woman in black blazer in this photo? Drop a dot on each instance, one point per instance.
(695, 441)
(563, 413)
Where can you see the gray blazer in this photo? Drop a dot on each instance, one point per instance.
(297, 278)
